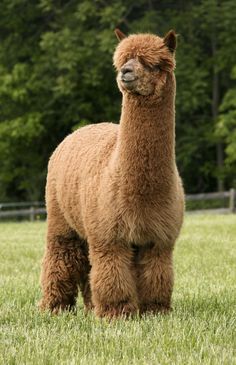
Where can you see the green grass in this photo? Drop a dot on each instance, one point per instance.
(200, 330)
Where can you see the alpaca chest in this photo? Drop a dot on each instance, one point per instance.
(141, 227)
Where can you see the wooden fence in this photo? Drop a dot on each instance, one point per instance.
(31, 210)
(34, 210)
(230, 195)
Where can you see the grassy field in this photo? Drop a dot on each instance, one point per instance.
(200, 330)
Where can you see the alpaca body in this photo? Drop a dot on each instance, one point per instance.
(138, 213)
(87, 150)
(111, 187)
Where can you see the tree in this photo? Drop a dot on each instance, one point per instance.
(226, 129)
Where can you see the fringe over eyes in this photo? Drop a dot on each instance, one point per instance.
(149, 49)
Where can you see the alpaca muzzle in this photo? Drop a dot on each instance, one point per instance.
(127, 72)
(127, 75)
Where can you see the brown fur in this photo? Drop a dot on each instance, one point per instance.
(114, 197)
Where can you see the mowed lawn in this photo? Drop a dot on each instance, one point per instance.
(200, 330)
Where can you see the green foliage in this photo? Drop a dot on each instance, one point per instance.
(227, 124)
(226, 129)
(200, 329)
(56, 75)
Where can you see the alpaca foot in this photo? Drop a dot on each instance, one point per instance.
(123, 309)
(155, 308)
(56, 307)
(88, 307)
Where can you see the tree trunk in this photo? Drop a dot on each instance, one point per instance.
(215, 111)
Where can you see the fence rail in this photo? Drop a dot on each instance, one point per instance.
(28, 209)
(231, 195)
(34, 209)
(24, 204)
(32, 213)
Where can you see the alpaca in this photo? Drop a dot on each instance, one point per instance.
(114, 197)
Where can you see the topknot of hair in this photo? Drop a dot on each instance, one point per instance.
(148, 48)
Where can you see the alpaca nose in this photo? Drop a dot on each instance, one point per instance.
(127, 73)
(127, 68)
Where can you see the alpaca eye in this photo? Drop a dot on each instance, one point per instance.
(156, 68)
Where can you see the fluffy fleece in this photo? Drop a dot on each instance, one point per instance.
(114, 197)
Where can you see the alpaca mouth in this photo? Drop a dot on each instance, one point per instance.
(128, 83)
(128, 78)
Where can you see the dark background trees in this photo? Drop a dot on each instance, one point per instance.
(56, 74)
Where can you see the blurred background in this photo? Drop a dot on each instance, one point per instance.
(56, 75)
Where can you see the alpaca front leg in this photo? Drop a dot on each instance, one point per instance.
(112, 283)
(155, 279)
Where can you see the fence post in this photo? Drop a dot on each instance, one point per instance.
(32, 214)
(232, 200)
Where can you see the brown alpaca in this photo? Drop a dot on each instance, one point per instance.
(114, 196)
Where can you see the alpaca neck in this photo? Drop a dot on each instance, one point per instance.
(146, 142)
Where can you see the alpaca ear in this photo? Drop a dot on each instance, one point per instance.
(170, 40)
(119, 34)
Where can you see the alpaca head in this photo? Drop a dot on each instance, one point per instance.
(143, 62)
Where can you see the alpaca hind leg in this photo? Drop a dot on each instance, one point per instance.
(155, 279)
(84, 283)
(86, 294)
(63, 265)
(112, 281)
